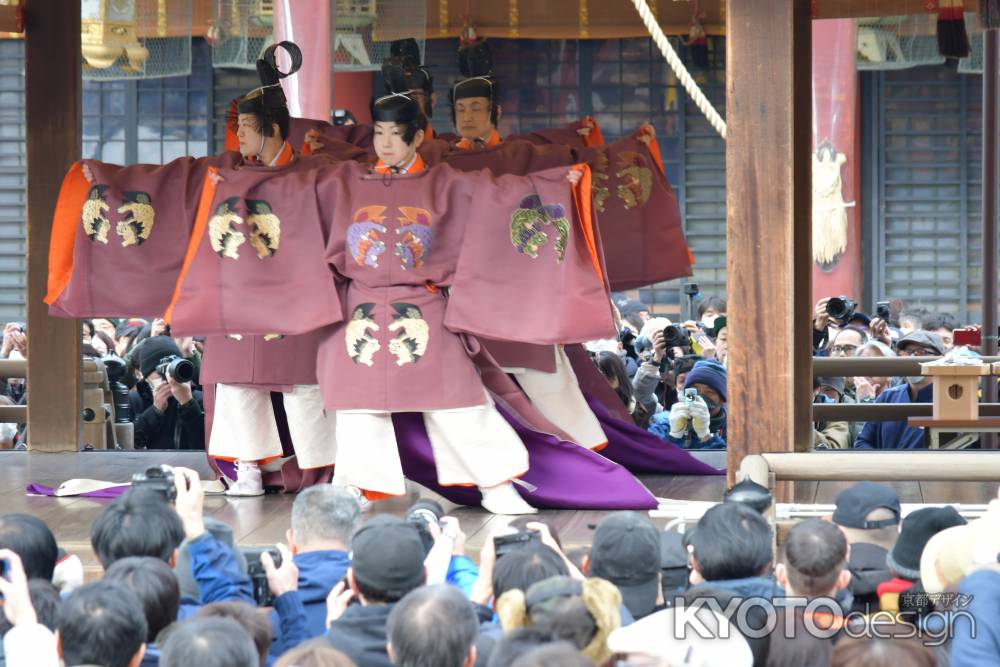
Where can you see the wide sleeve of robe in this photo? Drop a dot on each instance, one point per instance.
(578, 134)
(118, 243)
(638, 214)
(255, 262)
(529, 269)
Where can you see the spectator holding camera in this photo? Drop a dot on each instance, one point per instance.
(15, 341)
(387, 562)
(698, 420)
(169, 413)
(916, 389)
(324, 518)
(710, 308)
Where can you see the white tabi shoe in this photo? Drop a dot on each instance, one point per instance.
(504, 499)
(248, 480)
(359, 495)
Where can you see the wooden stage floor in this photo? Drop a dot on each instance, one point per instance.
(264, 520)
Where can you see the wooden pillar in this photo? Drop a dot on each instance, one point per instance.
(768, 180)
(52, 102)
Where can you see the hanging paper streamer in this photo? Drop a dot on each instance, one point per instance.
(584, 19)
(514, 18)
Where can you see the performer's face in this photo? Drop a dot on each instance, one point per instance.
(249, 133)
(472, 117)
(391, 147)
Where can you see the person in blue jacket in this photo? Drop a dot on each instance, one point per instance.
(698, 422)
(324, 518)
(916, 389)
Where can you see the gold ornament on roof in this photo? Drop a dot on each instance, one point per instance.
(107, 33)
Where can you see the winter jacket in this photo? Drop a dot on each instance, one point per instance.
(361, 634)
(976, 642)
(319, 572)
(214, 567)
(179, 427)
(644, 384)
(895, 434)
(868, 571)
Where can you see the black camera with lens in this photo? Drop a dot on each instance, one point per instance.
(179, 368)
(159, 479)
(343, 117)
(882, 311)
(505, 544)
(422, 515)
(841, 308)
(676, 336)
(258, 576)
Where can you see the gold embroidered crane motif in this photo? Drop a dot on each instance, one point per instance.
(412, 334)
(358, 335)
(137, 224)
(265, 228)
(635, 179)
(95, 215)
(222, 232)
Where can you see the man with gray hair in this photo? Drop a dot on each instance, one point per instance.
(324, 517)
(433, 626)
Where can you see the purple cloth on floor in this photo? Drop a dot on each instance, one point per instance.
(566, 475)
(110, 492)
(642, 452)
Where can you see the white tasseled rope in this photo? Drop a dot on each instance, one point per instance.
(678, 67)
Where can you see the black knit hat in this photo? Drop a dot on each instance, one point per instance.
(153, 350)
(917, 530)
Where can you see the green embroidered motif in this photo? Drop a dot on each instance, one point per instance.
(527, 227)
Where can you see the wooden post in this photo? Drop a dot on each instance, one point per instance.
(769, 240)
(991, 204)
(52, 102)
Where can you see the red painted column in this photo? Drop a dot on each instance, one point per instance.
(353, 91)
(307, 23)
(836, 178)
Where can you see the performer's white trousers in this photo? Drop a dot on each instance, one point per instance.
(244, 426)
(472, 446)
(558, 397)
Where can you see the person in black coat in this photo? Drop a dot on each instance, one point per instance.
(168, 413)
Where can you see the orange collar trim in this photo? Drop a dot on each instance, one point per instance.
(465, 144)
(416, 166)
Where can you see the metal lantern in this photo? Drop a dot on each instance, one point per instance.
(135, 39)
(108, 33)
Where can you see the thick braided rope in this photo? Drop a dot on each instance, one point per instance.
(677, 66)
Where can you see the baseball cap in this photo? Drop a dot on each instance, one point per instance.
(626, 552)
(632, 307)
(858, 501)
(387, 555)
(927, 339)
(835, 383)
(705, 639)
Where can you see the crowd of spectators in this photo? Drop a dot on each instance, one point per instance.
(672, 376)
(166, 413)
(866, 586)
